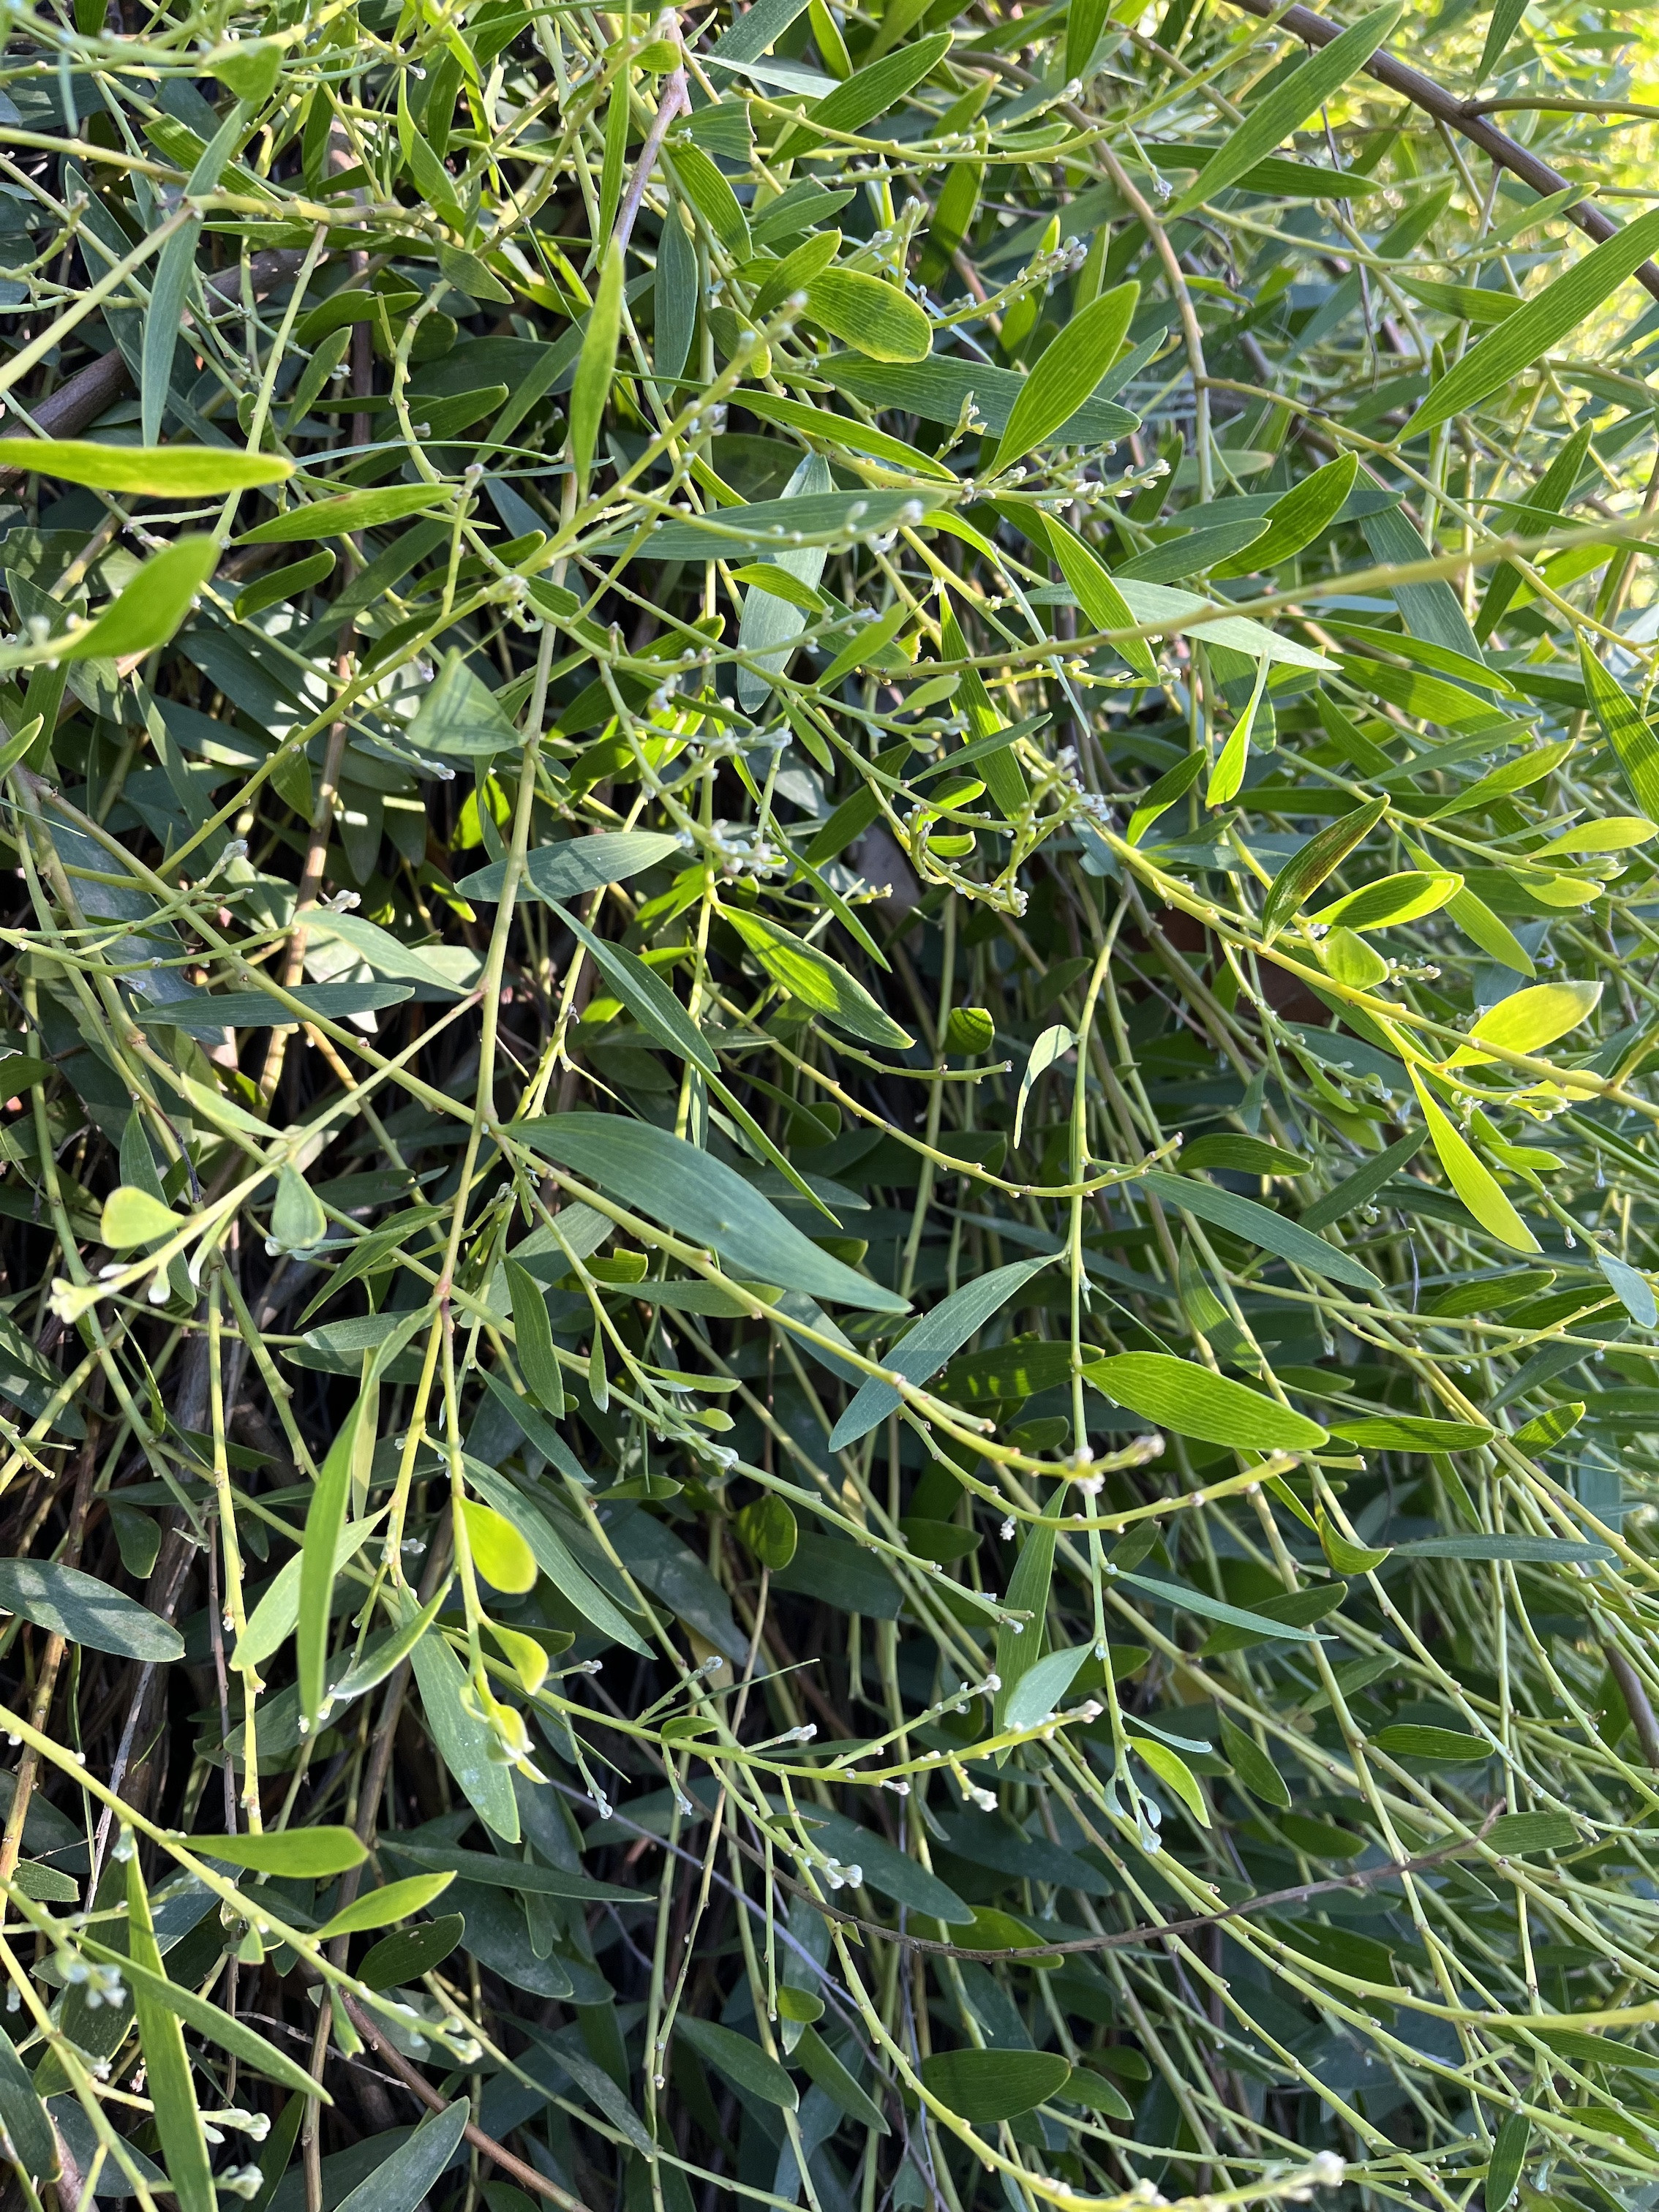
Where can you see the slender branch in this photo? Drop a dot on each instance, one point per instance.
(673, 99)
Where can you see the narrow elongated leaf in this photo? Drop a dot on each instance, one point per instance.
(1020, 1647)
(385, 954)
(714, 201)
(1229, 771)
(559, 873)
(938, 389)
(387, 1651)
(410, 1952)
(1439, 1747)
(24, 2117)
(1304, 513)
(868, 93)
(155, 471)
(539, 1362)
(1549, 495)
(1288, 104)
(1358, 1189)
(15, 747)
(1627, 730)
(597, 360)
(1247, 1155)
(769, 619)
(273, 1620)
(1320, 857)
(1053, 1045)
(1616, 835)
(884, 1867)
(1261, 1225)
(464, 1744)
(493, 1873)
(1298, 1608)
(1085, 20)
(647, 997)
(295, 1853)
(740, 2059)
(1390, 902)
(325, 1524)
(924, 1350)
(1155, 802)
(175, 265)
(1041, 1688)
(1565, 302)
(1533, 1831)
(1174, 612)
(792, 274)
(1409, 1432)
(827, 518)
(842, 430)
(823, 2068)
(676, 293)
(67, 1602)
(1182, 1395)
(1066, 373)
(1253, 1766)
(1509, 2150)
(1634, 1291)
(177, 2118)
(1188, 1600)
(700, 1197)
(1522, 1551)
(378, 1908)
(1100, 599)
(1472, 1181)
(399, 2183)
(1495, 938)
(1169, 1767)
(339, 517)
(150, 609)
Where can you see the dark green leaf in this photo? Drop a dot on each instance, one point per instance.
(988, 2086)
(700, 1197)
(82, 1610)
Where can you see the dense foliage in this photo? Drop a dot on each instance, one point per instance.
(827, 1236)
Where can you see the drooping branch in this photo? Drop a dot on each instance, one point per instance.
(1465, 119)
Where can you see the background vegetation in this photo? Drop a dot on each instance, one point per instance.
(826, 1245)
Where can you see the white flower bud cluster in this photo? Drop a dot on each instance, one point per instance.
(102, 1985)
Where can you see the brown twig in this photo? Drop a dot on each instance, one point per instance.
(526, 2176)
(1637, 1704)
(1465, 119)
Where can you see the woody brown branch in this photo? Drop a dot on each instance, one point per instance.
(1464, 118)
